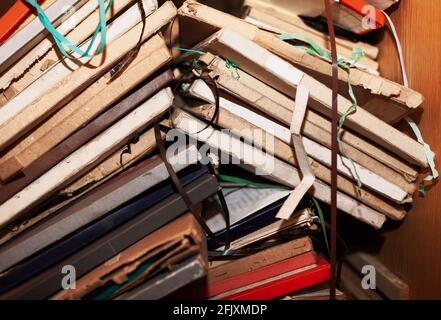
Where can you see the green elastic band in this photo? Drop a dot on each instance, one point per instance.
(249, 183)
(422, 189)
(341, 123)
(322, 222)
(191, 51)
(314, 49)
(62, 41)
(195, 63)
(228, 63)
(231, 65)
(427, 150)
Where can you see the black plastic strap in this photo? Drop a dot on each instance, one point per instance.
(119, 68)
(177, 183)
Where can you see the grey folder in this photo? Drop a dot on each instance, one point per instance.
(48, 282)
(162, 285)
(90, 207)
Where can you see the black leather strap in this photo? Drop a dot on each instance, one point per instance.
(334, 148)
(194, 209)
(119, 68)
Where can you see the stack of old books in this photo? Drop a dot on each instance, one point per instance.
(184, 159)
(79, 182)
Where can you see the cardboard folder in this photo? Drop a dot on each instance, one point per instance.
(48, 282)
(93, 206)
(85, 236)
(192, 269)
(155, 253)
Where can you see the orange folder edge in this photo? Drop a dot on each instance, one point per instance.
(12, 19)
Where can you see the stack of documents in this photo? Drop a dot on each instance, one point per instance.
(81, 180)
(189, 157)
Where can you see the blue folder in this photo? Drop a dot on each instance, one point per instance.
(254, 222)
(94, 231)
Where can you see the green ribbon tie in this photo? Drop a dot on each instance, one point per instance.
(307, 44)
(62, 41)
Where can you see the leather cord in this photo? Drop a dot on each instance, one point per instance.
(194, 209)
(118, 69)
(334, 149)
(213, 81)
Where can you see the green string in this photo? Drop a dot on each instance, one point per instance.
(341, 122)
(427, 149)
(314, 49)
(62, 41)
(322, 222)
(231, 65)
(249, 183)
(428, 153)
(228, 63)
(191, 51)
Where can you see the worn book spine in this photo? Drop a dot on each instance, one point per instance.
(81, 160)
(212, 19)
(66, 90)
(261, 259)
(284, 77)
(268, 165)
(77, 29)
(21, 42)
(278, 106)
(117, 162)
(403, 100)
(292, 18)
(94, 205)
(83, 135)
(66, 67)
(88, 104)
(164, 284)
(184, 230)
(283, 151)
(281, 27)
(313, 149)
(49, 282)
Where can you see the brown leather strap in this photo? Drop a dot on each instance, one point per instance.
(213, 82)
(334, 148)
(177, 183)
(119, 68)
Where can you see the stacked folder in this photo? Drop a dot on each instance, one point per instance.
(184, 159)
(80, 179)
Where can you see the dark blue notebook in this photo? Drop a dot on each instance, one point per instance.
(48, 282)
(94, 231)
(253, 222)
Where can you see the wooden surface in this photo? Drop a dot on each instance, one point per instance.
(413, 249)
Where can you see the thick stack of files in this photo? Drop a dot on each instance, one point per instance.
(256, 90)
(79, 181)
(178, 163)
(176, 246)
(270, 273)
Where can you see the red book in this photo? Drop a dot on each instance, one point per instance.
(279, 281)
(351, 15)
(12, 19)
